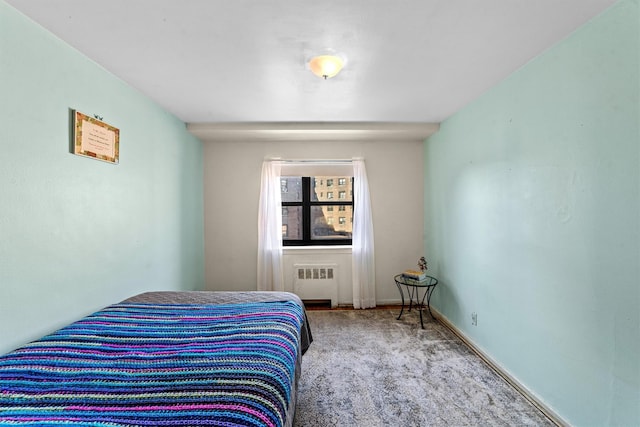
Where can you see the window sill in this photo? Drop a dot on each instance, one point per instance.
(334, 249)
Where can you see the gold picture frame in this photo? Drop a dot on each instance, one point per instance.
(96, 139)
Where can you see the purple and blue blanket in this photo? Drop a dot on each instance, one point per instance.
(158, 365)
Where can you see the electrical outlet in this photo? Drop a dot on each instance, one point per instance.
(474, 319)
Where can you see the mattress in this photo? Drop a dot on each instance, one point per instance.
(163, 359)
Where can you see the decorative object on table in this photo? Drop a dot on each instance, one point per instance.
(415, 275)
(422, 263)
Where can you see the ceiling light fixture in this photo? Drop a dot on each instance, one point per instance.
(326, 66)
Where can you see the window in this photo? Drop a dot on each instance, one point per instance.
(309, 214)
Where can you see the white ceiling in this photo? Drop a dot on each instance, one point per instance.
(217, 61)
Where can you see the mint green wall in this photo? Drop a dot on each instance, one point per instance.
(532, 218)
(77, 234)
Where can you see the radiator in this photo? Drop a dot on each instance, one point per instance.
(316, 282)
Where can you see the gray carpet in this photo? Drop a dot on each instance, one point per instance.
(365, 368)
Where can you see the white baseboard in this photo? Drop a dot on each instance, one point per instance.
(548, 412)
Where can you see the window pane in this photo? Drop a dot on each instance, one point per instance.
(326, 224)
(292, 223)
(323, 188)
(291, 188)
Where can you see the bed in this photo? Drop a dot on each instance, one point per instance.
(164, 359)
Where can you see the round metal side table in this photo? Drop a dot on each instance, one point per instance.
(413, 287)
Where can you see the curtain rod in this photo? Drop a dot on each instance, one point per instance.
(313, 160)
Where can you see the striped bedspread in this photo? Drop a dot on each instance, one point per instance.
(158, 365)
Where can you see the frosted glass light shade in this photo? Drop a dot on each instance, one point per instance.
(326, 66)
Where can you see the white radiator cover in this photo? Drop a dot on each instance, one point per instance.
(316, 281)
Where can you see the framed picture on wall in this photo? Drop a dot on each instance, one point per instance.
(94, 138)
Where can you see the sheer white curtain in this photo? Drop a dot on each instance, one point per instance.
(270, 276)
(363, 262)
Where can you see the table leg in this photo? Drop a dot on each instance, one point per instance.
(430, 291)
(402, 297)
(411, 291)
(427, 294)
(421, 308)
